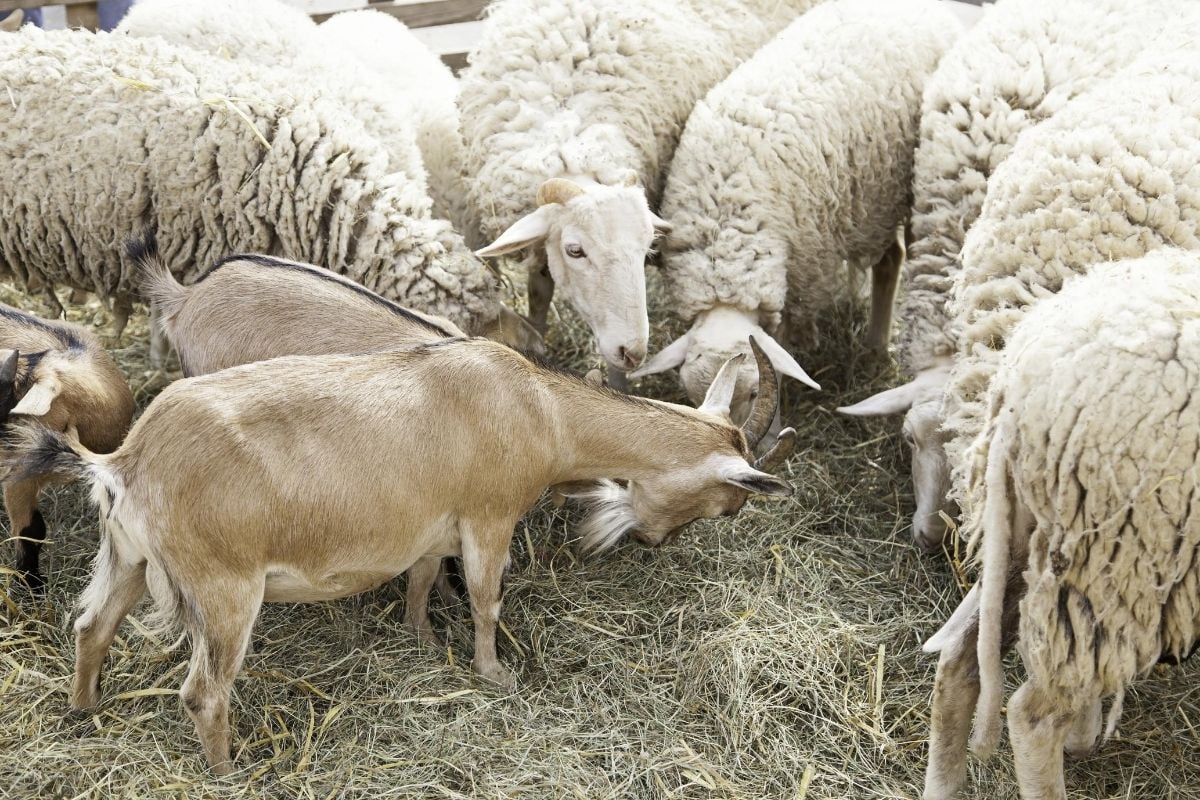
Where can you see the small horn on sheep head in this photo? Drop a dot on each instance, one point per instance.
(766, 401)
(557, 190)
(779, 452)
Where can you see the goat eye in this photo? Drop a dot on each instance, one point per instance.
(574, 251)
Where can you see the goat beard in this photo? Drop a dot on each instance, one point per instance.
(611, 517)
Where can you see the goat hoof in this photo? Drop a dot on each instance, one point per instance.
(498, 675)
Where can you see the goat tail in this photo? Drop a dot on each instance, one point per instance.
(997, 537)
(158, 286)
(34, 451)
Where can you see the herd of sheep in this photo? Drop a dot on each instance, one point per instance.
(307, 210)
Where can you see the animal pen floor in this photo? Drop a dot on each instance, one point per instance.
(774, 655)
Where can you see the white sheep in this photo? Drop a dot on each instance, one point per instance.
(794, 166)
(414, 74)
(1018, 66)
(218, 160)
(566, 106)
(1112, 175)
(270, 33)
(1089, 482)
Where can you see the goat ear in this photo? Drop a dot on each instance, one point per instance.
(37, 400)
(12, 22)
(752, 480)
(720, 391)
(669, 357)
(782, 360)
(529, 229)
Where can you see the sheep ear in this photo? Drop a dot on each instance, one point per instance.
(889, 401)
(901, 398)
(37, 400)
(529, 229)
(750, 479)
(660, 224)
(669, 357)
(782, 360)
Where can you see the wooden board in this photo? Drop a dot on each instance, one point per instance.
(11, 5)
(424, 13)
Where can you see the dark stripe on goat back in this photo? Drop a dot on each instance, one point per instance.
(67, 335)
(325, 275)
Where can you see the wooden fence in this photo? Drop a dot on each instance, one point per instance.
(413, 13)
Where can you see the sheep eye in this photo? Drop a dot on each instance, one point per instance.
(574, 251)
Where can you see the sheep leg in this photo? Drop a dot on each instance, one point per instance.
(1084, 734)
(1038, 724)
(79, 297)
(484, 554)
(115, 587)
(421, 578)
(122, 308)
(541, 292)
(955, 690)
(28, 527)
(885, 278)
(225, 621)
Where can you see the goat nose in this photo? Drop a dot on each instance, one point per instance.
(631, 357)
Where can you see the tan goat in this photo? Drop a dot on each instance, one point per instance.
(312, 478)
(249, 308)
(60, 374)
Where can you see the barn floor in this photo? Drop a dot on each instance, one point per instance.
(775, 655)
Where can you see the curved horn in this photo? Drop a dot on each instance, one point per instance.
(557, 190)
(8, 371)
(766, 402)
(779, 452)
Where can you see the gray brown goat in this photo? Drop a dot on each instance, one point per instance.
(59, 374)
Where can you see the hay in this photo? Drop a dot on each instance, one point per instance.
(772, 655)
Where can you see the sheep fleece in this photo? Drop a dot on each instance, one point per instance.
(106, 135)
(594, 87)
(1016, 67)
(1098, 392)
(1111, 176)
(801, 159)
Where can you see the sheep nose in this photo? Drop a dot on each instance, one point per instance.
(631, 357)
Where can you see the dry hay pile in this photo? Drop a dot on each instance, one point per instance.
(774, 655)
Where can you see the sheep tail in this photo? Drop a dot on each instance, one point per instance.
(158, 286)
(997, 520)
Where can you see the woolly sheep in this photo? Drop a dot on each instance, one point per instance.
(1089, 477)
(273, 34)
(794, 165)
(217, 161)
(428, 89)
(1015, 68)
(566, 106)
(1113, 175)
